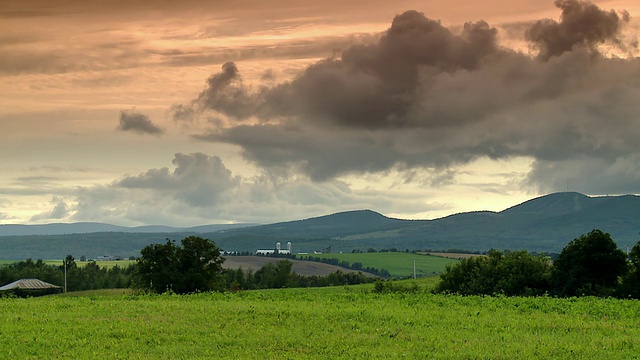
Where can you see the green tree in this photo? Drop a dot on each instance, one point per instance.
(589, 265)
(156, 268)
(514, 273)
(276, 276)
(196, 266)
(520, 273)
(200, 266)
(73, 273)
(631, 281)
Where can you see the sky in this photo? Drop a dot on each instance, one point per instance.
(196, 112)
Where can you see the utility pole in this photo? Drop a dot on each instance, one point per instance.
(414, 268)
(65, 274)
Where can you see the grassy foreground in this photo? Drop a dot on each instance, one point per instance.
(328, 323)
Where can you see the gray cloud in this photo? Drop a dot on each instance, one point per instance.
(425, 97)
(600, 176)
(201, 189)
(581, 24)
(371, 86)
(59, 211)
(226, 93)
(198, 180)
(130, 120)
(57, 169)
(35, 180)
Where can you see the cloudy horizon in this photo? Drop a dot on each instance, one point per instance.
(189, 113)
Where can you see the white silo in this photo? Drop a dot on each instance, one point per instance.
(289, 247)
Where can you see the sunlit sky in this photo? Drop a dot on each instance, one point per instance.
(195, 112)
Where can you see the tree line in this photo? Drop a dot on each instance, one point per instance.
(590, 265)
(196, 266)
(88, 277)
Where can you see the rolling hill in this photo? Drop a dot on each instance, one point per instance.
(94, 227)
(543, 224)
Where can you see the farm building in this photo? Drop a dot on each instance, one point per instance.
(30, 287)
(277, 250)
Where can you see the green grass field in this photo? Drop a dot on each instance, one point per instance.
(107, 264)
(320, 323)
(397, 263)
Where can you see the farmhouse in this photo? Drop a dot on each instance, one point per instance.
(30, 287)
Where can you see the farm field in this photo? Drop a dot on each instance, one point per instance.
(397, 263)
(106, 264)
(320, 323)
(305, 268)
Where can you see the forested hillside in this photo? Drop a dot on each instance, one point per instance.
(544, 224)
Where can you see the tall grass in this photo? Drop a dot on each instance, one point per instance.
(326, 323)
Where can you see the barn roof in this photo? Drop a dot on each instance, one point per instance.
(29, 284)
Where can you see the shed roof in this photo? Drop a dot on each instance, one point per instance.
(29, 284)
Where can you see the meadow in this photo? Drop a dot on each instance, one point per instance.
(318, 323)
(397, 263)
(101, 263)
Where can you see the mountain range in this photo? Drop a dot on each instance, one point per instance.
(543, 224)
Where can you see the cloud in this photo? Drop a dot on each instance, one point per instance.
(130, 120)
(581, 24)
(201, 189)
(4, 203)
(198, 180)
(59, 211)
(426, 97)
(58, 169)
(620, 175)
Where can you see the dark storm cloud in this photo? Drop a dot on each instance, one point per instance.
(394, 71)
(581, 24)
(423, 96)
(130, 120)
(224, 92)
(371, 86)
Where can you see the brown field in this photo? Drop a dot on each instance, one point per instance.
(306, 268)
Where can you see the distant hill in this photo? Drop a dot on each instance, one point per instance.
(544, 224)
(93, 227)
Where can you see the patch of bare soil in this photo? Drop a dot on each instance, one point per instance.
(301, 267)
